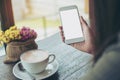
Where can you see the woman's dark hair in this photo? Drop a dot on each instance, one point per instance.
(107, 24)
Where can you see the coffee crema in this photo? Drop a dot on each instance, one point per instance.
(34, 56)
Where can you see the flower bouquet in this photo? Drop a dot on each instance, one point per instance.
(18, 41)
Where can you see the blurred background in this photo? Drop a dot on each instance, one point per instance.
(43, 15)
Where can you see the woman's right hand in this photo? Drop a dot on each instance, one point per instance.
(87, 45)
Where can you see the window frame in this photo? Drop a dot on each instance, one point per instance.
(6, 11)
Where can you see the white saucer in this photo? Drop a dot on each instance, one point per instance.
(50, 70)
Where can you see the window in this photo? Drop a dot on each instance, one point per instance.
(2, 48)
(43, 15)
(0, 21)
(6, 18)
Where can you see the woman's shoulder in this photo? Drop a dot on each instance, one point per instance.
(107, 65)
(113, 48)
(112, 53)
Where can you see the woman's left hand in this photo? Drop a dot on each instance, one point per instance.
(88, 44)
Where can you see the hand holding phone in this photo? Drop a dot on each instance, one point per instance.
(71, 24)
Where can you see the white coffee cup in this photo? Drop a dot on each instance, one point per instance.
(35, 61)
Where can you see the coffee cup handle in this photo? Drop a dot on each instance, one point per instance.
(53, 58)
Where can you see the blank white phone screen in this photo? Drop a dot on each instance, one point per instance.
(71, 24)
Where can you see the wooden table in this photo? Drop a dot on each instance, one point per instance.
(73, 64)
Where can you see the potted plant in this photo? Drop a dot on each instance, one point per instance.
(18, 41)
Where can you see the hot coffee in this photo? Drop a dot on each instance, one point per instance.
(34, 56)
(35, 61)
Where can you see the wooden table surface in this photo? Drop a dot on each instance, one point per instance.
(73, 64)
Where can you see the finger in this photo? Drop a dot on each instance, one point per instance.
(62, 33)
(72, 44)
(62, 36)
(61, 28)
(83, 21)
(63, 39)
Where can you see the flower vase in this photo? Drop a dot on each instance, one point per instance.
(16, 48)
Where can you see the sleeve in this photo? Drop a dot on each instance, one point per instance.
(107, 68)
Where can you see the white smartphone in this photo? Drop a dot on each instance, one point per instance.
(71, 24)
